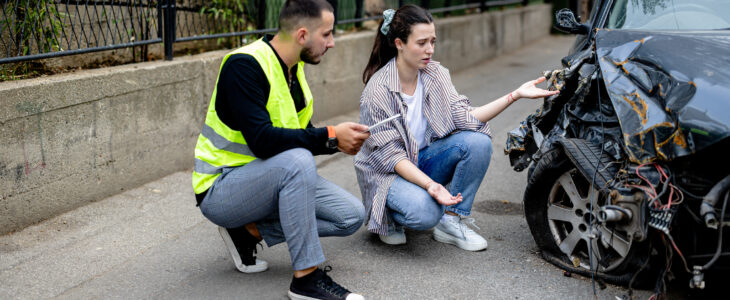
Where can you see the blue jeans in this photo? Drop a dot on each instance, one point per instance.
(460, 160)
(288, 201)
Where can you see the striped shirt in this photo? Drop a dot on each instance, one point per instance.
(443, 107)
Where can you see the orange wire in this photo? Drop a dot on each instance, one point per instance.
(647, 181)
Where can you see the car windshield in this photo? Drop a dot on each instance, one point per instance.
(669, 15)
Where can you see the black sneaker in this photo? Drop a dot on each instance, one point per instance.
(242, 246)
(318, 285)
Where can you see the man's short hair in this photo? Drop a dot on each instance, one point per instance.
(296, 12)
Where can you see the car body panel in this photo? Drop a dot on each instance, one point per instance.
(671, 91)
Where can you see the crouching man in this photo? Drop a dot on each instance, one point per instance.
(255, 174)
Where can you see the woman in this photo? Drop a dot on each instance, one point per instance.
(439, 139)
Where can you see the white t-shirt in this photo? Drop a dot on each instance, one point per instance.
(415, 119)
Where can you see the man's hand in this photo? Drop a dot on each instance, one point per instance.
(441, 194)
(350, 137)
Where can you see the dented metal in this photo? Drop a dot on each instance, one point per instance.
(671, 91)
(668, 104)
(643, 117)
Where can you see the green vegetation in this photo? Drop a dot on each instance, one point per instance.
(33, 26)
(231, 14)
(273, 7)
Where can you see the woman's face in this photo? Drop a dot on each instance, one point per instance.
(417, 51)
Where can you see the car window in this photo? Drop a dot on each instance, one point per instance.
(669, 15)
(594, 11)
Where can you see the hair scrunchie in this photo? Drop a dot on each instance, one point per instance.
(387, 18)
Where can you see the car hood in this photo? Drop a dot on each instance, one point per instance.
(671, 91)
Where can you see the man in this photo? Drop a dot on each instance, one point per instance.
(255, 174)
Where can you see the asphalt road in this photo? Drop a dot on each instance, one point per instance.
(152, 242)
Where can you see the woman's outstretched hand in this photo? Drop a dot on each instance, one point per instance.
(530, 90)
(441, 194)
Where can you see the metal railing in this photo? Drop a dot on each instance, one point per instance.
(37, 29)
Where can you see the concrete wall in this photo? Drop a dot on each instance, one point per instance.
(462, 42)
(70, 139)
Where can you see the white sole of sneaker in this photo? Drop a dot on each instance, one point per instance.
(393, 239)
(294, 296)
(260, 265)
(450, 239)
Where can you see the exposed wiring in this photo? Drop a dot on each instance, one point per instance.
(666, 179)
(680, 193)
(686, 192)
(656, 199)
(660, 288)
(653, 190)
(641, 268)
(592, 198)
(684, 261)
(655, 204)
(676, 195)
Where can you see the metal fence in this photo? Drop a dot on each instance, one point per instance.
(37, 29)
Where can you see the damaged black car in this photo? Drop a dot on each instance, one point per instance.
(628, 178)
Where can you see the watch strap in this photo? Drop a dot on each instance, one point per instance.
(331, 132)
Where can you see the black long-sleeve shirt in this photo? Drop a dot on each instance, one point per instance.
(241, 98)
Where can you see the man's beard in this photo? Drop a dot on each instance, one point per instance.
(308, 56)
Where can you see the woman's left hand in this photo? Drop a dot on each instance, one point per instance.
(441, 194)
(530, 90)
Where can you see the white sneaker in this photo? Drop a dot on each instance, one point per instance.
(454, 231)
(396, 235)
(242, 247)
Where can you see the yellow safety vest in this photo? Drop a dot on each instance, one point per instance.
(220, 146)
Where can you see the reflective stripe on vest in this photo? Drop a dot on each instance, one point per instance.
(219, 146)
(206, 168)
(223, 144)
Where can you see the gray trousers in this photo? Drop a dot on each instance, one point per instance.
(288, 201)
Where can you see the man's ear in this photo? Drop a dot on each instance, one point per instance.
(301, 35)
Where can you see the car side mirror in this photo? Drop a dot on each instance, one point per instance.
(565, 21)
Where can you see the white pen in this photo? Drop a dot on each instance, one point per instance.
(382, 122)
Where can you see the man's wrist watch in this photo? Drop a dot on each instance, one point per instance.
(331, 138)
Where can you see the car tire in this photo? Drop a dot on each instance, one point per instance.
(548, 232)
